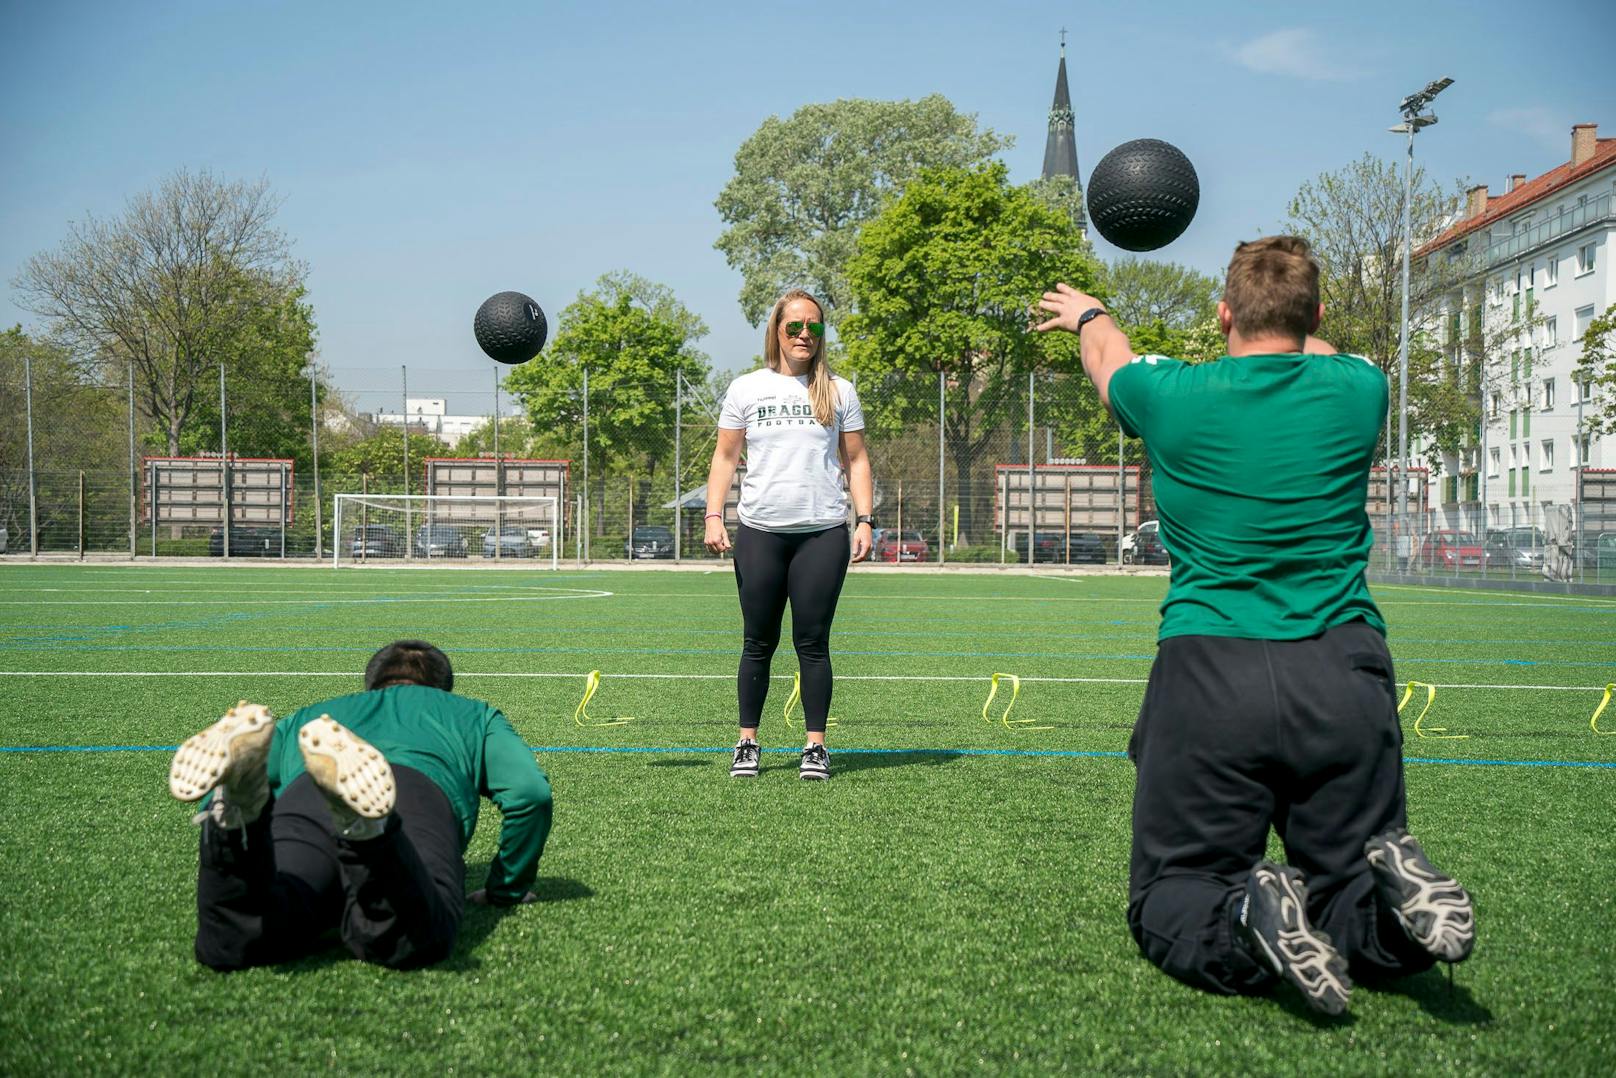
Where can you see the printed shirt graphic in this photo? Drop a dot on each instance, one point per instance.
(793, 477)
(1261, 475)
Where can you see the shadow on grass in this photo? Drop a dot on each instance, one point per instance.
(683, 763)
(849, 760)
(1443, 1000)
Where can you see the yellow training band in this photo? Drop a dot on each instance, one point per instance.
(1593, 723)
(582, 711)
(796, 694)
(1436, 733)
(1015, 691)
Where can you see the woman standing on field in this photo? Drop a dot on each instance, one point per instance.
(802, 428)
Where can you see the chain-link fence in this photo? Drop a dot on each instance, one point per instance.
(1005, 470)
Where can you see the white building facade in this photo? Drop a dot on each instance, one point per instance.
(1542, 257)
(430, 415)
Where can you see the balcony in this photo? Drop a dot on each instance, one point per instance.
(1573, 219)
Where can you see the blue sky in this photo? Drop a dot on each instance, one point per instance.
(431, 154)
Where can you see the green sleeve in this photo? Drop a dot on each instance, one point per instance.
(1130, 390)
(516, 784)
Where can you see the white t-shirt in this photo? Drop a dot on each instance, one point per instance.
(793, 477)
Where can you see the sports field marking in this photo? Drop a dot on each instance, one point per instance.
(384, 600)
(644, 750)
(708, 677)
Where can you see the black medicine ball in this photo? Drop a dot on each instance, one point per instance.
(510, 327)
(1142, 195)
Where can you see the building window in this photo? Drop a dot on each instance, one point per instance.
(1514, 426)
(1512, 482)
(1582, 449)
(1551, 332)
(1583, 318)
(1494, 458)
(1492, 405)
(1585, 258)
(1585, 390)
(1526, 420)
(1548, 393)
(1547, 461)
(1551, 273)
(1515, 367)
(1526, 481)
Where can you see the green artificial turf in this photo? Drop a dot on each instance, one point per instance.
(953, 900)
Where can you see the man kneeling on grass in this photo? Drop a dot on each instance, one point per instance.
(353, 816)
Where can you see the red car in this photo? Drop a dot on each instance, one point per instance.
(1450, 549)
(899, 546)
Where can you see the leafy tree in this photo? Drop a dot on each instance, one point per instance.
(1143, 291)
(944, 280)
(375, 462)
(633, 336)
(175, 284)
(77, 425)
(1597, 367)
(804, 185)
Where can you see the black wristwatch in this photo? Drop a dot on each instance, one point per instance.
(1088, 316)
(864, 518)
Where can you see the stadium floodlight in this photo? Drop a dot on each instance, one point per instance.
(1414, 119)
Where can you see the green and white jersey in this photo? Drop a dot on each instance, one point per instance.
(1261, 475)
(793, 477)
(466, 747)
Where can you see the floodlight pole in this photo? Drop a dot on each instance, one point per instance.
(314, 445)
(1413, 120)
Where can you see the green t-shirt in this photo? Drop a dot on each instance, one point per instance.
(466, 747)
(1260, 469)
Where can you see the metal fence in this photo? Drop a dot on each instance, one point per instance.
(1015, 470)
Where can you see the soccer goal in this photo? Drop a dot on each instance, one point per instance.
(388, 529)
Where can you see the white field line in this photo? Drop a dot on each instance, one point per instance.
(578, 593)
(706, 677)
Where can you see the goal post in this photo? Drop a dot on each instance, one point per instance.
(445, 529)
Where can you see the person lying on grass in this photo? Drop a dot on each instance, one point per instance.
(351, 817)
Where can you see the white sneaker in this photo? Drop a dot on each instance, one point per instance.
(745, 763)
(815, 762)
(228, 758)
(356, 779)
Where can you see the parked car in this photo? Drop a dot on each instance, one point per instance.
(1050, 548)
(1448, 548)
(247, 541)
(539, 538)
(1518, 548)
(3, 540)
(901, 546)
(377, 541)
(510, 540)
(649, 541)
(440, 541)
(1144, 546)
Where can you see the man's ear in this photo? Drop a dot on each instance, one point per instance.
(1318, 319)
(1225, 318)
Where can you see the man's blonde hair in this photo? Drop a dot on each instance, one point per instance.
(1272, 288)
(821, 390)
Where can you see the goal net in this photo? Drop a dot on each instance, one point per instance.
(391, 529)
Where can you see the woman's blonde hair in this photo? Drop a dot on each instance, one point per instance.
(821, 388)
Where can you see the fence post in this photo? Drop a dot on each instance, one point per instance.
(678, 464)
(1032, 482)
(584, 505)
(404, 415)
(942, 481)
(33, 483)
(314, 442)
(81, 514)
(133, 522)
(224, 463)
(1122, 494)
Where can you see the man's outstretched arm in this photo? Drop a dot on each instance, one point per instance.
(517, 785)
(1105, 347)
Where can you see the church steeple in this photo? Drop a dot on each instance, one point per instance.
(1060, 150)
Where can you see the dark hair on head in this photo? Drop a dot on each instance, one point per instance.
(409, 662)
(1272, 288)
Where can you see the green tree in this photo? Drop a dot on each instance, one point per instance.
(78, 426)
(375, 462)
(945, 280)
(173, 285)
(1597, 367)
(633, 336)
(1142, 291)
(804, 185)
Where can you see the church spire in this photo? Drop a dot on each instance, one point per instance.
(1060, 150)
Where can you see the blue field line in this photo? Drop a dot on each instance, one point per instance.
(652, 750)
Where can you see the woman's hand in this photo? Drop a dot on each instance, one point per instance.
(861, 542)
(717, 539)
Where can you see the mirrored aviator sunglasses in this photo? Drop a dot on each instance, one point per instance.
(795, 328)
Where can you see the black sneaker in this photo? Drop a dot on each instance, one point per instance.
(745, 764)
(1274, 920)
(815, 762)
(1434, 910)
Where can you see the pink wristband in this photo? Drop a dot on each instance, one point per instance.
(710, 516)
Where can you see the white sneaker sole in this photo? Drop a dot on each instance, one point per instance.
(347, 768)
(240, 739)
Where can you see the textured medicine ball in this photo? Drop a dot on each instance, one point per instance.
(510, 327)
(1142, 195)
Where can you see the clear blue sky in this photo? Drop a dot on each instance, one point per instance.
(430, 154)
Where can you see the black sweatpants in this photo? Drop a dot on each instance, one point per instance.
(281, 886)
(1235, 736)
(807, 568)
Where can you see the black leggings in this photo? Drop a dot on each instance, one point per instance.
(808, 568)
